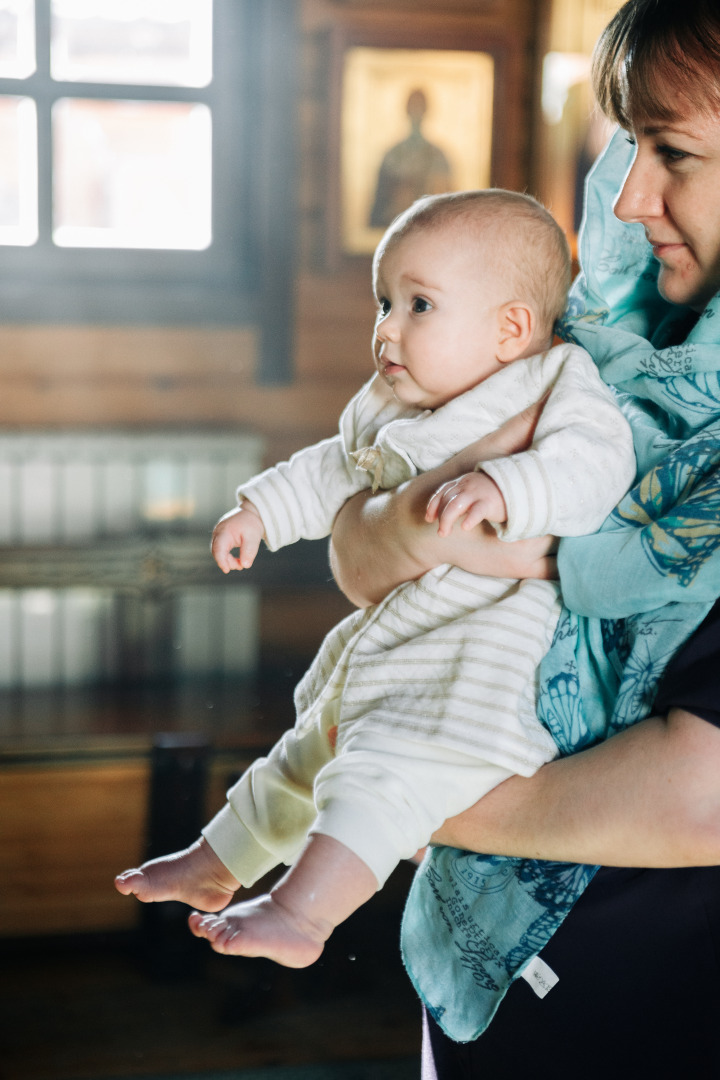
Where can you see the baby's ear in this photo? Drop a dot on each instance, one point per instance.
(516, 330)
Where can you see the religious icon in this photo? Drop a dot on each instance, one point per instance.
(410, 169)
(414, 122)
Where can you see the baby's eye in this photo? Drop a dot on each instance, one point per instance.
(383, 305)
(420, 305)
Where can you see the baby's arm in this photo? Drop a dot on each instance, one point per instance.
(300, 498)
(293, 500)
(241, 528)
(581, 460)
(474, 497)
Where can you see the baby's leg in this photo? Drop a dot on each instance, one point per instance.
(196, 876)
(292, 923)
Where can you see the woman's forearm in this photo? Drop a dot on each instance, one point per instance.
(370, 548)
(646, 797)
(382, 540)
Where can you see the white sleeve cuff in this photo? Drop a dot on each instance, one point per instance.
(236, 847)
(527, 492)
(368, 832)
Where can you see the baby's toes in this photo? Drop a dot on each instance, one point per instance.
(206, 926)
(132, 883)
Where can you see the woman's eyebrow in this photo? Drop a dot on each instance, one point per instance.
(668, 127)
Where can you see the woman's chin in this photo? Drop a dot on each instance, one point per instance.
(684, 291)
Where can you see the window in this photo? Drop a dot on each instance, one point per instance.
(146, 173)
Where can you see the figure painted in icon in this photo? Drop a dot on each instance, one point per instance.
(410, 169)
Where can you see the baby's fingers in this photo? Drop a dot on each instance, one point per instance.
(227, 561)
(222, 547)
(451, 510)
(248, 550)
(475, 515)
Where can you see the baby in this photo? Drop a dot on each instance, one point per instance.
(418, 706)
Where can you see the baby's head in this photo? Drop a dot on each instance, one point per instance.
(465, 282)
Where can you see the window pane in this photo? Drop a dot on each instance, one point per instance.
(142, 42)
(17, 38)
(18, 171)
(132, 174)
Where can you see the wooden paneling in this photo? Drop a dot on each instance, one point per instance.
(90, 377)
(66, 830)
(104, 377)
(97, 352)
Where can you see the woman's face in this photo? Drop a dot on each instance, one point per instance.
(673, 190)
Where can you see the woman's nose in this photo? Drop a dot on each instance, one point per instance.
(641, 196)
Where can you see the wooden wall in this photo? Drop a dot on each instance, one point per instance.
(104, 376)
(67, 829)
(82, 823)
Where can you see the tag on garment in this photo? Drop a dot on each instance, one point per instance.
(540, 976)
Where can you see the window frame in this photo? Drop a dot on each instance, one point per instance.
(246, 275)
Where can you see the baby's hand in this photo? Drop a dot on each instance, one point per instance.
(473, 496)
(241, 528)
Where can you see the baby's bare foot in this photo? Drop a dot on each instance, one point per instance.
(196, 876)
(261, 927)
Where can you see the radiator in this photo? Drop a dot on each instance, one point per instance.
(74, 487)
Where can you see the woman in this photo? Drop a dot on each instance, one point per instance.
(636, 957)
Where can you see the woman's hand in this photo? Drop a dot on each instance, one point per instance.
(382, 540)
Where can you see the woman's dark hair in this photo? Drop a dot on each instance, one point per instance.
(652, 46)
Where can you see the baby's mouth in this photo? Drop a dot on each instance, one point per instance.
(391, 368)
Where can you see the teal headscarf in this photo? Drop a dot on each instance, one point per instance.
(634, 592)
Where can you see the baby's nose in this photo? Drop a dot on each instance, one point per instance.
(387, 330)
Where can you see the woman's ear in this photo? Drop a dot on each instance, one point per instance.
(516, 330)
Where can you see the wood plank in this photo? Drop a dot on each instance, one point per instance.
(162, 562)
(311, 409)
(67, 829)
(125, 351)
(65, 833)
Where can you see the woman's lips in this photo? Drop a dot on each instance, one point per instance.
(662, 249)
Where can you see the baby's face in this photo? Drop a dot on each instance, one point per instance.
(436, 329)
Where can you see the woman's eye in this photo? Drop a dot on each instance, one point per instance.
(420, 305)
(670, 154)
